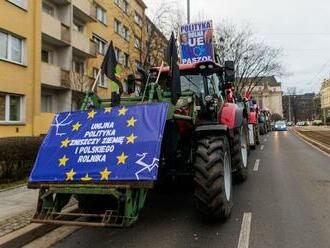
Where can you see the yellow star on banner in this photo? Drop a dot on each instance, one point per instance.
(76, 126)
(131, 139)
(107, 110)
(122, 111)
(105, 174)
(91, 114)
(70, 175)
(122, 158)
(65, 143)
(131, 122)
(63, 161)
(86, 178)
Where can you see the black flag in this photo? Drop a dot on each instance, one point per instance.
(172, 59)
(109, 63)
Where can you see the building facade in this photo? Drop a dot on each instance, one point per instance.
(325, 101)
(268, 94)
(51, 51)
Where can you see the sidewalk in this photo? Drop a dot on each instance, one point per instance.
(17, 208)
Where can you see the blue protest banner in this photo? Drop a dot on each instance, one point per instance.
(196, 42)
(119, 143)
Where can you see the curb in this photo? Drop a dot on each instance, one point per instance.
(322, 148)
(13, 187)
(29, 233)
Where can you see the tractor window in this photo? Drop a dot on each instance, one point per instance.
(213, 83)
(193, 83)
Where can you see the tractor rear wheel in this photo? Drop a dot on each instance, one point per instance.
(240, 154)
(257, 134)
(213, 177)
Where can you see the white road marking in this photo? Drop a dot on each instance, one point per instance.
(261, 147)
(244, 236)
(256, 165)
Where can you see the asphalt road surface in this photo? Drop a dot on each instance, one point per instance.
(285, 203)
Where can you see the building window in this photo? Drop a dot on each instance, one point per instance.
(138, 19)
(102, 81)
(126, 60)
(47, 56)
(10, 108)
(118, 54)
(78, 27)
(101, 14)
(20, 3)
(117, 26)
(125, 33)
(137, 42)
(78, 67)
(11, 48)
(46, 103)
(122, 4)
(101, 44)
(47, 8)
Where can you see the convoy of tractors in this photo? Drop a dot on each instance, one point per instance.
(208, 136)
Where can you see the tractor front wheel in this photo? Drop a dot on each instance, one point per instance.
(240, 154)
(213, 177)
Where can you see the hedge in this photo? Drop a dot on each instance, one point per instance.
(17, 155)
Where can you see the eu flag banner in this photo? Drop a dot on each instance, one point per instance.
(196, 42)
(119, 143)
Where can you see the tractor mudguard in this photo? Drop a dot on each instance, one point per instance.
(231, 115)
(215, 127)
(253, 118)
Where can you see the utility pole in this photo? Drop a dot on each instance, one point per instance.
(289, 108)
(188, 11)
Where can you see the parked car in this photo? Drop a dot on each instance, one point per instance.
(289, 124)
(317, 122)
(280, 126)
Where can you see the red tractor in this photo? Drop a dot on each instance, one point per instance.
(253, 126)
(208, 134)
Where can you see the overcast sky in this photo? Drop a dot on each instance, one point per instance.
(300, 27)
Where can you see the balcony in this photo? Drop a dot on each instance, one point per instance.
(60, 2)
(84, 10)
(54, 31)
(54, 76)
(83, 46)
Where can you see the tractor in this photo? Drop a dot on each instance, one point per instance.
(205, 137)
(253, 127)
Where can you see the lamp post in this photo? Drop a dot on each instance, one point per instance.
(188, 11)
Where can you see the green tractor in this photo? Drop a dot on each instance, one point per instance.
(205, 138)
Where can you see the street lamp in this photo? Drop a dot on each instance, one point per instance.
(188, 11)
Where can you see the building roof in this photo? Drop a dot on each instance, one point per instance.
(271, 80)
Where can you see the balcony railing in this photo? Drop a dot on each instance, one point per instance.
(85, 10)
(83, 45)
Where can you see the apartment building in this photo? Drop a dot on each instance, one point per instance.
(51, 51)
(325, 101)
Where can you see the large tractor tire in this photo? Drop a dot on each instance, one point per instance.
(239, 154)
(213, 177)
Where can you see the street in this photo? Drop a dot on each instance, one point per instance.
(287, 196)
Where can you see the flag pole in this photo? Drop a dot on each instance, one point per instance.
(96, 79)
(160, 71)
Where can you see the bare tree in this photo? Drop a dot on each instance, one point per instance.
(253, 59)
(79, 83)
